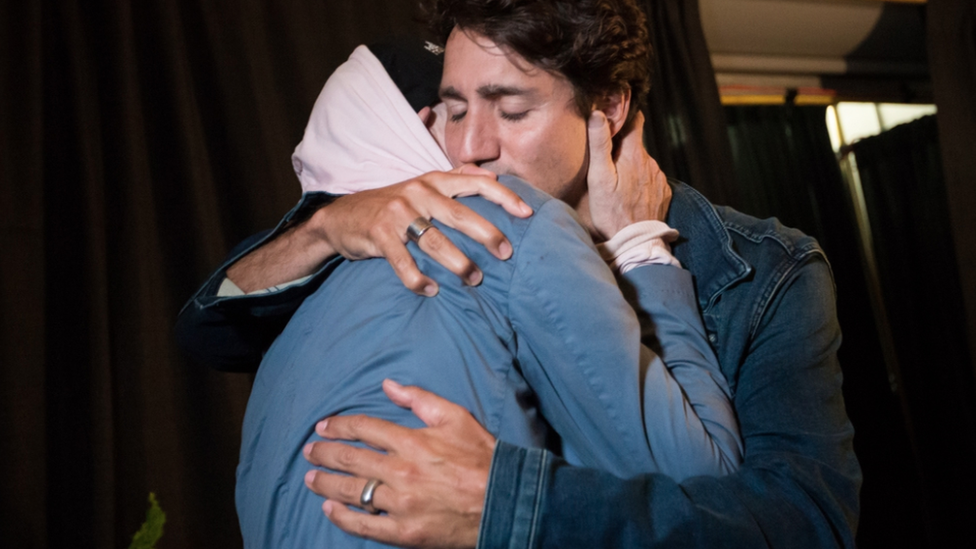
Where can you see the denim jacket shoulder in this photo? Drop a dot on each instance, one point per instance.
(739, 264)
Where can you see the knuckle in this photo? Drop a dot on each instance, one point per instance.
(401, 264)
(349, 489)
(407, 500)
(357, 423)
(416, 186)
(404, 474)
(435, 240)
(457, 211)
(345, 456)
(356, 524)
(398, 206)
(413, 534)
(377, 233)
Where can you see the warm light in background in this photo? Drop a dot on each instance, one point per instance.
(849, 121)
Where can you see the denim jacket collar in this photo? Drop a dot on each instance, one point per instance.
(705, 246)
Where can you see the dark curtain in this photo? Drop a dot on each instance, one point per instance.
(952, 64)
(905, 192)
(785, 167)
(140, 140)
(685, 129)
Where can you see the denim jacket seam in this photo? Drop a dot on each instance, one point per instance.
(539, 491)
(486, 503)
(780, 276)
(795, 248)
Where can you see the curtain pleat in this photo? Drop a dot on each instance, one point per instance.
(951, 29)
(785, 167)
(138, 142)
(23, 447)
(905, 191)
(685, 129)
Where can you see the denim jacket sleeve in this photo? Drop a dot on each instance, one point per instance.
(615, 403)
(232, 333)
(797, 487)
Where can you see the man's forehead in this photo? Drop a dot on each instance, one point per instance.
(475, 64)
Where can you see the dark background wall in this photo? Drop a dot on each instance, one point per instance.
(140, 140)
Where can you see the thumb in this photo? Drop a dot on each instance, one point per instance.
(433, 410)
(601, 171)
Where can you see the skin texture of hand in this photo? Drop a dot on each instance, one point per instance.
(433, 479)
(624, 186)
(374, 223)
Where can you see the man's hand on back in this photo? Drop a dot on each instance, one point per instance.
(433, 479)
(374, 223)
(624, 188)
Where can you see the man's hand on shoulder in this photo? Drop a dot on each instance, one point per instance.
(432, 480)
(625, 186)
(374, 223)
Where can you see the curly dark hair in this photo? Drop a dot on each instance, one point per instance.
(600, 46)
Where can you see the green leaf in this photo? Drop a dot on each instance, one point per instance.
(152, 529)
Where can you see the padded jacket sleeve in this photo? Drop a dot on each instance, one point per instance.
(797, 486)
(612, 400)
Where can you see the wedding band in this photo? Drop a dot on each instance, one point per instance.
(366, 499)
(417, 229)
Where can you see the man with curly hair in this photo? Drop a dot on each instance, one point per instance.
(549, 90)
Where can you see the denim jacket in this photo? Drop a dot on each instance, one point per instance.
(768, 302)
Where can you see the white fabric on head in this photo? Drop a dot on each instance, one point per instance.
(363, 134)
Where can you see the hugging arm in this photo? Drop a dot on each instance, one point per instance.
(616, 404)
(232, 332)
(797, 487)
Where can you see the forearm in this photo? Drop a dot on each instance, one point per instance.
(538, 501)
(617, 405)
(232, 333)
(297, 252)
(797, 486)
(690, 389)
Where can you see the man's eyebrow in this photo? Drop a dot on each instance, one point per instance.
(494, 91)
(488, 91)
(451, 92)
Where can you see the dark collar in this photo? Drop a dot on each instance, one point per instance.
(704, 248)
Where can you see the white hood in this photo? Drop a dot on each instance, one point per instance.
(363, 134)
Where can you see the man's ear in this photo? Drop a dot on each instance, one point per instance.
(615, 106)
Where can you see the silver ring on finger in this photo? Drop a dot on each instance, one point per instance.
(417, 229)
(366, 498)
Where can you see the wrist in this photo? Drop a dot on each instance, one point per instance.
(312, 236)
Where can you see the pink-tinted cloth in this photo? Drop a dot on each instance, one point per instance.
(363, 134)
(642, 243)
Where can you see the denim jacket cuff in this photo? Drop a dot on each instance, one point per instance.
(269, 302)
(513, 502)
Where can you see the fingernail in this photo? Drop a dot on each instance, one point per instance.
(321, 426)
(526, 209)
(394, 384)
(310, 478)
(597, 119)
(505, 250)
(327, 507)
(307, 450)
(474, 278)
(430, 290)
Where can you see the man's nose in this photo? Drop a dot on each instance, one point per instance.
(479, 139)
